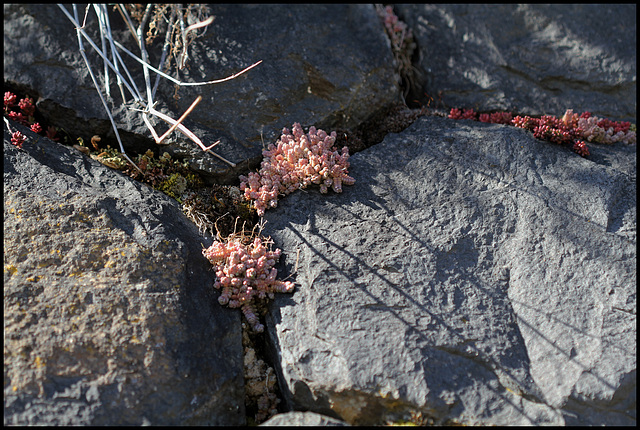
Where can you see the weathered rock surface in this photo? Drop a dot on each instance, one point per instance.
(323, 65)
(109, 316)
(533, 59)
(472, 274)
(303, 419)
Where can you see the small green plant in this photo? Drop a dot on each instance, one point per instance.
(174, 186)
(164, 173)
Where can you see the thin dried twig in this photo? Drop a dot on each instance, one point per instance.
(180, 83)
(184, 115)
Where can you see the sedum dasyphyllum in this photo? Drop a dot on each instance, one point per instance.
(599, 130)
(568, 130)
(295, 161)
(26, 117)
(245, 273)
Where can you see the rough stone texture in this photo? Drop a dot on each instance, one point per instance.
(303, 419)
(323, 65)
(472, 274)
(109, 314)
(534, 59)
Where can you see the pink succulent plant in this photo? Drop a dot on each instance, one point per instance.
(398, 31)
(25, 117)
(51, 133)
(294, 162)
(9, 100)
(36, 128)
(27, 106)
(603, 130)
(581, 148)
(465, 114)
(572, 129)
(18, 139)
(245, 273)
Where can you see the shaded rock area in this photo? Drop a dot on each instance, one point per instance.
(109, 317)
(480, 277)
(531, 59)
(323, 65)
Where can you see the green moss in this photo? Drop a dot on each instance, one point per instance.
(194, 181)
(174, 186)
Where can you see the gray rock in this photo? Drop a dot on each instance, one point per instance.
(472, 274)
(323, 65)
(302, 419)
(109, 311)
(533, 59)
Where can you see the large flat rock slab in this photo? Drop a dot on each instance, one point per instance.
(536, 59)
(472, 274)
(109, 314)
(324, 65)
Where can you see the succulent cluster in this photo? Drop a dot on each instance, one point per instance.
(600, 130)
(245, 273)
(399, 33)
(463, 114)
(571, 130)
(25, 105)
(23, 112)
(294, 162)
(18, 139)
(402, 44)
(494, 118)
